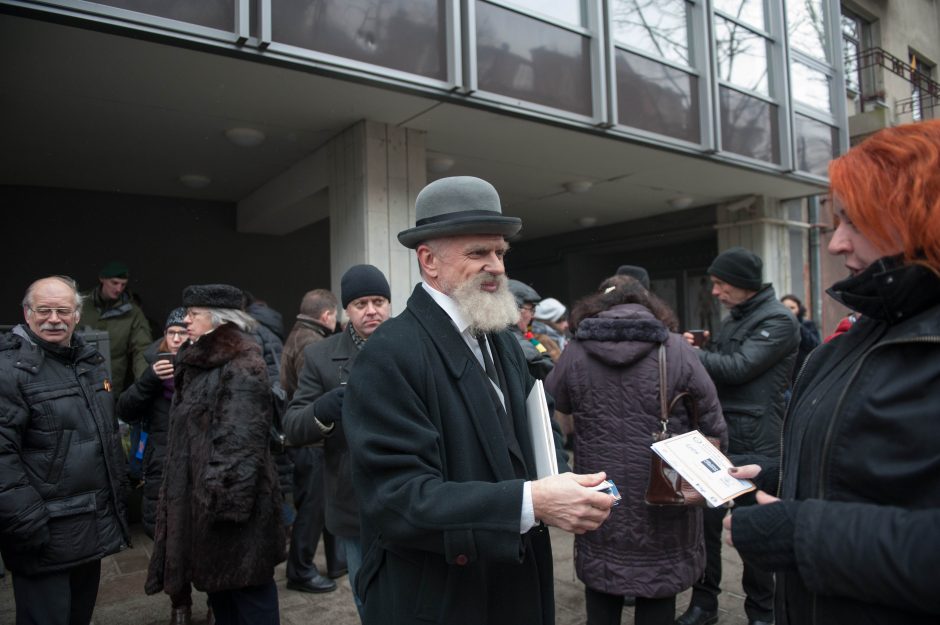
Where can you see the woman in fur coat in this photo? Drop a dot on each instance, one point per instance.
(218, 520)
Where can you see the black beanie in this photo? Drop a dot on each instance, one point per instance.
(637, 273)
(738, 267)
(362, 280)
(213, 296)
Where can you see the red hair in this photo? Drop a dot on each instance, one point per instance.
(889, 186)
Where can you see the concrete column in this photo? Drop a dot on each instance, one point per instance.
(375, 173)
(760, 224)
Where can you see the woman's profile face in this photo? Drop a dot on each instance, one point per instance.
(847, 241)
(792, 306)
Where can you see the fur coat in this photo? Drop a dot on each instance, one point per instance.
(219, 516)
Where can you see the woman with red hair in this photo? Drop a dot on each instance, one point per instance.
(855, 534)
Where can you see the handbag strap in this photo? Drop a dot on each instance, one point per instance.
(665, 406)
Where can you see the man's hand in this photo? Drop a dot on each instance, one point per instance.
(762, 498)
(328, 408)
(567, 502)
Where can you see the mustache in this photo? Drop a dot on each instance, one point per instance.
(54, 326)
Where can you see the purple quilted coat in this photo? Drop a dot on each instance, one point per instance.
(608, 380)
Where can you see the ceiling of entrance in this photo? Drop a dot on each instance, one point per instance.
(97, 111)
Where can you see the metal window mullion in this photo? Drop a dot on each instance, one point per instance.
(778, 65)
(242, 21)
(453, 43)
(264, 23)
(468, 21)
(700, 34)
(837, 86)
(603, 79)
(714, 77)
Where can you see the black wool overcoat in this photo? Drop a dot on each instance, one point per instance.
(440, 501)
(219, 516)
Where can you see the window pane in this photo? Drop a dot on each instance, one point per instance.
(815, 145)
(809, 86)
(742, 56)
(850, 28)
(656, 97)
(850, 50)
(569, 11)
(749, 126)
(659, 27)
(406, 35)
(527, 59)
(807, 28)
(218, 14)
(747, 11)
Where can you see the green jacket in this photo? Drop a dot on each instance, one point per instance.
(128, 332)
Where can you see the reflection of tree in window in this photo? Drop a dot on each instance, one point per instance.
(655, 26)
(807, 27)
(738, 44)
(920, 78)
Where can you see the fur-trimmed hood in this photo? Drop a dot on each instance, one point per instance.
(217, 347)
(621, 335)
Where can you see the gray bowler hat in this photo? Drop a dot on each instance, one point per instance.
(458, 205)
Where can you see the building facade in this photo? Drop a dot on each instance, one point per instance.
(651, 132)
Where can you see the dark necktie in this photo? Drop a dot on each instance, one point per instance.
(488, 365)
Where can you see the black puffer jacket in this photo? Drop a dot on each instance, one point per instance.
(148, 401)
(750, 361)
(62, 477)
(861, 465)
(219, 517)
(608, 380)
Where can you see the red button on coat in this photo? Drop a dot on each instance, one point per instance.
(462, 560)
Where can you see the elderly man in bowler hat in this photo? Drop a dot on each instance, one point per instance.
(453, 517)
(750, 362)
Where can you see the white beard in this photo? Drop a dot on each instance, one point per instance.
(486, 312)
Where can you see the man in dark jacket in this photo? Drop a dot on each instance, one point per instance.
(61, 465)
(750, 363)
(536, 354)
(314, 415)
(109, 307)
(452, 515)
(316, 322)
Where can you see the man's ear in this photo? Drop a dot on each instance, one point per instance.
(427, 260)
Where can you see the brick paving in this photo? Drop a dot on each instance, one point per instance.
(121, 599)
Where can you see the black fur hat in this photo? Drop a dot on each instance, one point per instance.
(213, 296)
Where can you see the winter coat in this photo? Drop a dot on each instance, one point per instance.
(608, 380)
(861, 456)
(750, 361)
(128, 333)
(540, 363)
(219, 516)
(147, 401)
(62, 478)
(440, 503)
(326, 364)
(304, 332)
(809, 340)
(268, 317)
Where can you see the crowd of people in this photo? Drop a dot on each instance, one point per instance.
(404, 442)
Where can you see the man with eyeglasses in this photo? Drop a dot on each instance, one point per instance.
(536, 353)
(61, 463)
(109, 307)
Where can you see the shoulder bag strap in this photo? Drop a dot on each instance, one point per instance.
(664, 406)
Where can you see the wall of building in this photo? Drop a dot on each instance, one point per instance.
(167, 242)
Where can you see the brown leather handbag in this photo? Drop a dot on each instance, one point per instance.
(666, 487)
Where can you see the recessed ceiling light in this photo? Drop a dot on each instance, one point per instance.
(680, 202)
(440, 163)
(195, 181)
(578, 186)
(245, 137)
(587, 221)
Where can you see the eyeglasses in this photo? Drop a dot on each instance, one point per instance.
(44, 312)
(528, 308)
(180, 334)
(192, 312)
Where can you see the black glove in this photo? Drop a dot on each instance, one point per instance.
(764, 535)
(328, 408)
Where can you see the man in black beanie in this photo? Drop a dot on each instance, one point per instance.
(636, 272)
(314, 415)
(750, 361)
